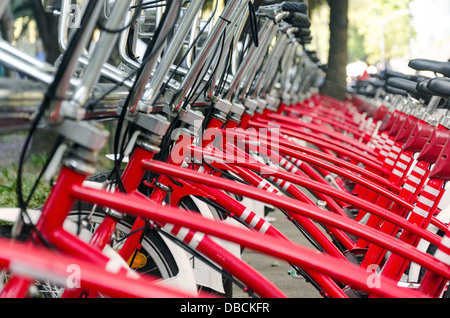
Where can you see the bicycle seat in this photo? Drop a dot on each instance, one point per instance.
(422, 87)
(287, 6)
(377, 83)
(298, 20)
(392, 74)
(302, 33)
(409, 86)
(434, 145)
(380, 76)
(430, 65)
(395, 91)
(439, 86)
(418, 137)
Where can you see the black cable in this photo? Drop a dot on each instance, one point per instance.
(133, 20)
(253, 23)
(208, 116)
(183, 58)
(153, 6)
(227, 71)
(151, 50)
(48, 98)
(225, 173)
(216, 68)
(143, 4)
(198, 80)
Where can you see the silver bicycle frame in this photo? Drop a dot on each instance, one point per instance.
(258, 59)
(234, 33)
(270, 66)
(53, 114)
(248, 60)
(145, 74)
(228, 14)
(102, 51)
(172, 50)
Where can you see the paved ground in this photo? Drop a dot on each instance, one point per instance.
(276, 270)
(10, 147)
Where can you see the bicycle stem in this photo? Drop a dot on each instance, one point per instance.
(54, 114)
(229, 14)
(156, 81)
(101, 53)
(153, 53)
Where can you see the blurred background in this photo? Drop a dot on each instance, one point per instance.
(388, 33)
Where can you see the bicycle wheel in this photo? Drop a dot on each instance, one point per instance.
(153, 256)
(156, 256)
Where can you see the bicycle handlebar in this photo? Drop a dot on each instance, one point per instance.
(290, 6)
(286, 6)
(298, 20)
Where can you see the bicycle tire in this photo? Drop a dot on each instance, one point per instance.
(163, 262)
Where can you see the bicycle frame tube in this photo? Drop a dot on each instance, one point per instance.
(248, 60)
(258, 58)
(50, 226)
(15, 63)
(270, 66)
(205, 245)
(132, 177)
(317, 214)
(101, 53)
(54, 114)
(285, 250)
(174, 47)
(328, 190)
(403, 203)
(260, 182)
(143, 76)
(372, 183)
(238, 27)
(343, 150)
(227, 15)
(50, 264)
(321, 130)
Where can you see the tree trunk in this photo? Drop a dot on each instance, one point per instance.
(7, 31)
(335, 80)
(47, 24)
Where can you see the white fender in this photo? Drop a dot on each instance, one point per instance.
(205, 275)
(414, 271)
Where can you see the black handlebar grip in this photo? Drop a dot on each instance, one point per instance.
(396, 91)
(306, 39)
(298, 20)
(302, 32)
(299, 7)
